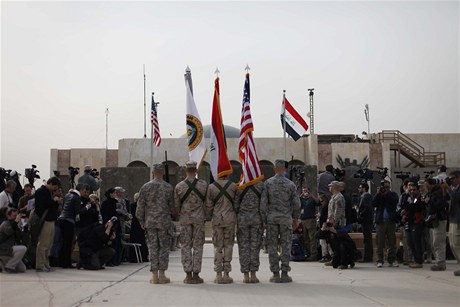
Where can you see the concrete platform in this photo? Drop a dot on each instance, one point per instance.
(314, 284)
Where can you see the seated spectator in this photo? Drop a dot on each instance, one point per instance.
(137, 234)
(94, 243)
(343, 246)
(10, 237)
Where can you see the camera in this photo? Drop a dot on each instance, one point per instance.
(403, 175)
(31, 174)
(365, 174)
(435, 181)
(339, 174)
(382, 186)
(94, 172)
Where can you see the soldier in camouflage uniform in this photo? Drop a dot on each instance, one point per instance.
(219, 206)
(249, 232)
(189, 198)
(154, 208)
(280, 210)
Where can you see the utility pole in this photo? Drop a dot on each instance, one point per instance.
(145, 110)
(366, 113)
(107, 128)
(311, 113)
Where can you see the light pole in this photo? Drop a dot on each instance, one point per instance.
(366, 113)
(107, 128)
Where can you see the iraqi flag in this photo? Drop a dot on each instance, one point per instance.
(295, 125)
(220, 165)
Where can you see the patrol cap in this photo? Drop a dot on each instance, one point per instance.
(158, 167)
(280, 163)
(191, 165)
(119, 189)
(341, 184)
(87, 168)
(334, 184)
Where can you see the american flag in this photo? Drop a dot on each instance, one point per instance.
(155, 125)
(251, 172)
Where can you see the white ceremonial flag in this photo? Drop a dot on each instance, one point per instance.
(195, 135)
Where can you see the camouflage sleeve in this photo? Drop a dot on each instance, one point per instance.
(170, 198)
(237, 200)
(177, 203)
(140, 210)
(295, 203)
(264, 204)
(209, 203)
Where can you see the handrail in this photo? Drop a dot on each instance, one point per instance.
(412, 148)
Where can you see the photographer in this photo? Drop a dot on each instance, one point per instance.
(308, 208)
(94, 243)
(401, 209)
(413, 218)
(6, 196)
(385, 202)
(342, 245)
(366, 219)
(437, 221)
(10, 236)
(88, 178)
(454, 216)
(71, 209)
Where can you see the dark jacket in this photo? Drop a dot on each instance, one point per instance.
(10, 235)
(72, 207)
(454, 212)
(415, 212)
(86, 178)
(437, 205)
(308, 208)
(44, 200)
(87, 216)
(388, 201)
(108, 209)
(94, 238)
(365, 210)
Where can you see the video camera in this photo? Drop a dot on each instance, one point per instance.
(402, 175)
(95, 173)
(31, 174)
(365, 174)
(439, 181)
(339, 174)
(73, 171)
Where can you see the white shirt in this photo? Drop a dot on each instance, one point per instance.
(5, 199)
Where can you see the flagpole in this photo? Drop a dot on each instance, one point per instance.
(151, 143)
(145, 110)
(284, 123)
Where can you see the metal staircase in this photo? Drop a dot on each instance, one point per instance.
(401, 144)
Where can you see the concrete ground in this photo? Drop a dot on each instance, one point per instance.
(314, 284)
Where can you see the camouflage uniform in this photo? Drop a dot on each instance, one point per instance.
(279, 205)
(223, 223)
(154, 209)
(249, 232)
(336, 209)
(191, 217)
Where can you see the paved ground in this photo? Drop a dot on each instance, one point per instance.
(127, 285)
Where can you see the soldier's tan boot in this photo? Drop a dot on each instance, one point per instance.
(197, 279)
(246, 278)
(285, 277)
(154, 279)
(226, 278)
(275, 278)
(218, 279)
(188, 278)
(162, 279)
(254, 278)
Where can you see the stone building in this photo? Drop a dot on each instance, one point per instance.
(393, 150)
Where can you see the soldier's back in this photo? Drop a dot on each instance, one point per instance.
(190, 201)
(222, 204)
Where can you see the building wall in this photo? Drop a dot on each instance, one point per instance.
(270, 149)
(446, 142)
